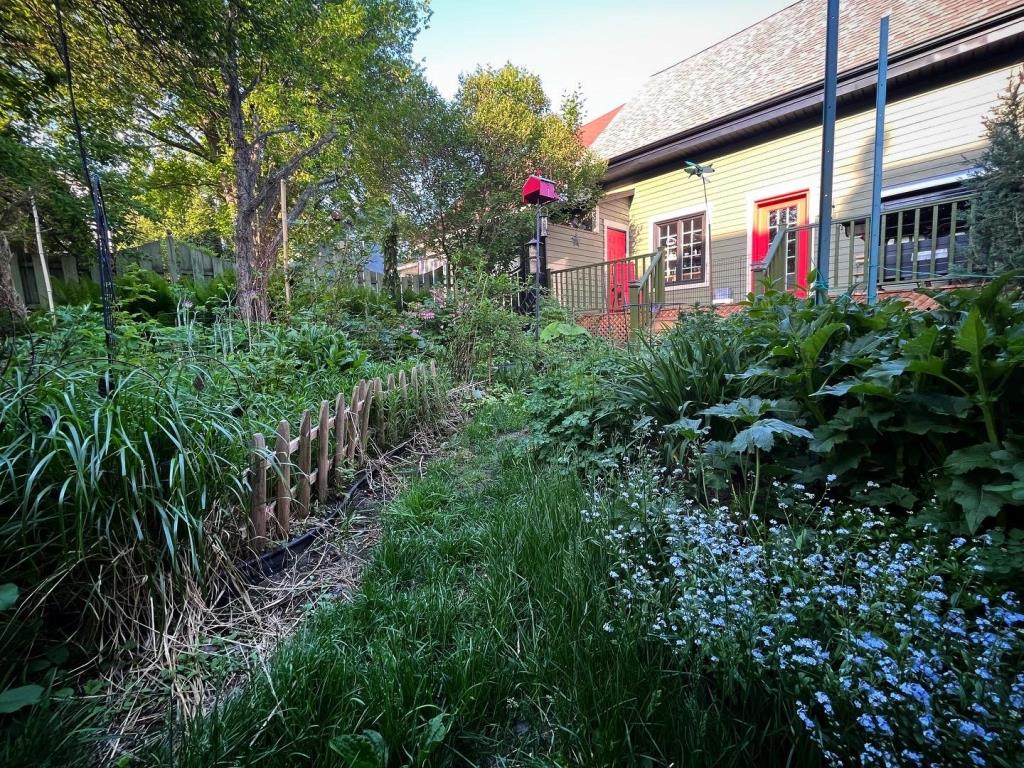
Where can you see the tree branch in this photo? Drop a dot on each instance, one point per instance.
(317, 187)
(274, 179)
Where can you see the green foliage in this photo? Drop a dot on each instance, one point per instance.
(467, 161)
(76, 293)
(484, 633)
(144, 293)
(687, 370)
(480, 335)
(558, 330)
(574, 414)
(999, 207)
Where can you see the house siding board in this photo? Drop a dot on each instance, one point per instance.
(929, 134)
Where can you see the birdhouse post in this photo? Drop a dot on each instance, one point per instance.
(538, 191)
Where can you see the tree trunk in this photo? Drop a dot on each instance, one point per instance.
(251, 285)
(12, 308)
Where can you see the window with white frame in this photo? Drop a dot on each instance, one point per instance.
(683, 241)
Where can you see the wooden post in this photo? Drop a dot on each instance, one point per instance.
(365, 414)
(353, 434)
(391, 382)
(195, 257)
(323, 464)
(305, 461)
(283, 453)
(172, 259)
(354, 419)
(403, 385)
(43, 266)
(258, 480)
(634, 307)
(284, 240)
(340, 423)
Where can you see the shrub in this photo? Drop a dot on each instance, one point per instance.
(574, 414)
(999, 207)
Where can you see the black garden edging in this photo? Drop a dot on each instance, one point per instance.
(275, 560)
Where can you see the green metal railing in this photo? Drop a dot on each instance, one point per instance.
(929, 241)
(774, 265)
(601, 287)
(647, 294)
(917, 242)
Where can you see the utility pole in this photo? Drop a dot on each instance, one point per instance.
(44, 268)
(876, 173)
(828, 145)
(284, 240)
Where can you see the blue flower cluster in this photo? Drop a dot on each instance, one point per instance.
(888, 648)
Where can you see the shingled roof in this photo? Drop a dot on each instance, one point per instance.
(780, 54)
(590, 131)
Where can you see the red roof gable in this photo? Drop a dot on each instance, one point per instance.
(590, 131)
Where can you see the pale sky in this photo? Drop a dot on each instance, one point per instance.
(607, 48)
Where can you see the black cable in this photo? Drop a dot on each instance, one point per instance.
(99, 211)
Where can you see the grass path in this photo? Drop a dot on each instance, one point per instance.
(477, 639)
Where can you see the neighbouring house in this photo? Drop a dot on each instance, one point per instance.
(750, 107)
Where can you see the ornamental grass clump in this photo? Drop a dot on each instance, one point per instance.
(888, 645)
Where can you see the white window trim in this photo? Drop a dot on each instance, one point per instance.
(652, 224)
(614, 224)
(777, 190)
(934, 181)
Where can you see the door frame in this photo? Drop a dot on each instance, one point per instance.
(759, 237)
(618, 226)
(612, 224)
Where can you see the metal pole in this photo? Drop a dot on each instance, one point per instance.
(536, 280)
(828, 143)
(42, 256)
(876, 174)
(284, 241)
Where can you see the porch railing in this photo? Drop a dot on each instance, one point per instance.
(918, 242)
(601, 287)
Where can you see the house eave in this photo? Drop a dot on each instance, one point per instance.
(997, 34)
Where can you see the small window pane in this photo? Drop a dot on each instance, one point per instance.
(683, 243)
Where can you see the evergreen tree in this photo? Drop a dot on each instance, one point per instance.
(999, 207)
(391, 280)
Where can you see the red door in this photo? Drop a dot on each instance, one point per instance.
(620, 272)
(773, 214)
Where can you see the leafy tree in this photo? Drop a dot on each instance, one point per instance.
(999, 208)
(468, 159)
(218, 102)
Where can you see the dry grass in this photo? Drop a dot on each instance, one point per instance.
(214, 646)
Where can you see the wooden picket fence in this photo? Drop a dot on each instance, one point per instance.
(350, 427)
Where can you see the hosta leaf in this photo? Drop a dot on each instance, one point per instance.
(14, 699)
(433, 735)
(761, 435)
(361, 750)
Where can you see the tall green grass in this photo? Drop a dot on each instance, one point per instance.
(482, 619)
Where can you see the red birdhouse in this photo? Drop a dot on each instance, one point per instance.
(537, 190)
